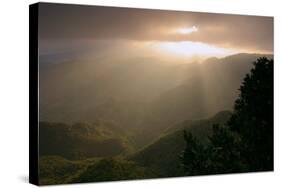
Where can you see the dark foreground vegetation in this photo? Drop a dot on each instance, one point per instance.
(245, 143)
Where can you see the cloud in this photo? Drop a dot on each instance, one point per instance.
(70, 22)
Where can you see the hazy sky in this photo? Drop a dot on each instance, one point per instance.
(64, 27)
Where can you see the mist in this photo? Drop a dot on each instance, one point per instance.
(123, 93)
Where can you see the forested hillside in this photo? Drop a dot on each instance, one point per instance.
(115, 124)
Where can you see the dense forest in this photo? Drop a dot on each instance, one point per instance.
(106, 122)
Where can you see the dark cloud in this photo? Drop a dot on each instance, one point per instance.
(59, 21)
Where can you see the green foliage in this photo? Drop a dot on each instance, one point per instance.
(246, 142)
(194, 154)
(56, 169)
(82, 140)
(223, 152)
(220, 155)
(162, 156)
(109, 169)
(159, 159)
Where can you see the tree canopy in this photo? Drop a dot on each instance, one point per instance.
(245, 142)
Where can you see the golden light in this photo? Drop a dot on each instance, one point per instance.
(187, 30)
(188, 48)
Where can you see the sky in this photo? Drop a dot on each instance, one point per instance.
(98, 29)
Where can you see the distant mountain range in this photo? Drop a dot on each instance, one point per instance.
(140, 95)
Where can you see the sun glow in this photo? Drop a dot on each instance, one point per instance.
(188, 48)
(187, 30)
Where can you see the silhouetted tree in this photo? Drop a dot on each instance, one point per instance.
(245, 143)
(194, 158)
(223, 151)
(253, 116)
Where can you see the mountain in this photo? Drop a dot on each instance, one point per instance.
(85, 90)
(163, 155)
(209, 87)
(137, 111)
(141, 95)
(82, 140)
(159, 159)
